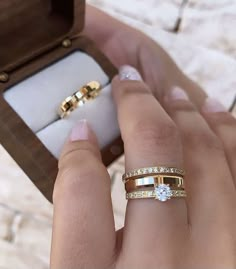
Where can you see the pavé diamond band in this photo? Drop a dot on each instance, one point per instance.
(155, 194)
(79, 98)
(152, 171)
(175, 182)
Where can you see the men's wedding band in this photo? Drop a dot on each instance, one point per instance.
(79, 98)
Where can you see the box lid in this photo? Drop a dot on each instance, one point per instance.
(31, 27)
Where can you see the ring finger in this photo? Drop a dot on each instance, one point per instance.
(150, 139)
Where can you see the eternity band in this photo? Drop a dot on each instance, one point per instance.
(152, 171)
(154, 194)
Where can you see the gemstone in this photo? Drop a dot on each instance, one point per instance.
(163, 192)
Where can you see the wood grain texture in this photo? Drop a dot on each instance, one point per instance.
(16, 137)
(31, 27)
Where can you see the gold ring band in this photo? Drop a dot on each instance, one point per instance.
(86, 93)
(174, 182)
(152, 171)
(152, 194)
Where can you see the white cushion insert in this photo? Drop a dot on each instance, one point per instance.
(100, 113)
(37, 98)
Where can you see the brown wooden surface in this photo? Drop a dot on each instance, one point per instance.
(30, 27)
(17, 138)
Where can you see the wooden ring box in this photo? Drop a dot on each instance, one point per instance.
(35, 34)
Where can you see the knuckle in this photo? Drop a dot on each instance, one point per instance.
(133, 89)
(201, 138)
(153, 134)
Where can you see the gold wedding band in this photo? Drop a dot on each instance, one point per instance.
(174, 182)
(79, 98)
(152, 171)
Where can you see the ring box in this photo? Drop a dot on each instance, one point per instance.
(43, 55)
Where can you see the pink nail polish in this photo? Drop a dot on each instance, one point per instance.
(212, 105)
(178, 94)
(80, 131)
(127, 72)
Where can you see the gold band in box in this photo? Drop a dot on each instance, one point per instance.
(79, 98)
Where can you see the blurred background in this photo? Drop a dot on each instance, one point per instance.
(200, 35)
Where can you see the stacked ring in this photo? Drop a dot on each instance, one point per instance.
(86, 93)
(152, 171)
(172, 181)
(153, 183)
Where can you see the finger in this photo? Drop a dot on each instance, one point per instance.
(224, 126)
(208, 179)
(150, 139)
(83, 219)
(112, 37)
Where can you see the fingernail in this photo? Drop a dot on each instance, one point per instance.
(127, 72)
(178, 94)
(212, 105)
(80, 131)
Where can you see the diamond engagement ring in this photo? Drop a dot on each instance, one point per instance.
(161, 183)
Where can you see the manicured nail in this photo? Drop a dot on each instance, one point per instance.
(127, 72)
(80, 131)
(178, 94)
(212, 105)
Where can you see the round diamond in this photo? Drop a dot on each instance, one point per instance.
(163, 192)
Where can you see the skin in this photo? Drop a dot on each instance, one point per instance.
(196, 232)
(125, 45)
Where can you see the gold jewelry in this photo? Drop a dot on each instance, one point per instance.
(153, 194)
(152, 171)
(79, 98)
(175, 182)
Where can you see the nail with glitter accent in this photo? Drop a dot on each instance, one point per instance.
(127, 72)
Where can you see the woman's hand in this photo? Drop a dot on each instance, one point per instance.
(125, 45)
(196, 232)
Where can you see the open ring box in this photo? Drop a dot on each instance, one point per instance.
(44, 58)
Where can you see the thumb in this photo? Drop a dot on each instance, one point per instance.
(83, 217)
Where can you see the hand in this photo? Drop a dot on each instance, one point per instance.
(125, 45)
(196, 232)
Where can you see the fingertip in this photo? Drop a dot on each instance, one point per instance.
(115, 80)
(129, 80)
(81, 137)
(127, 72)
(80, 131)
